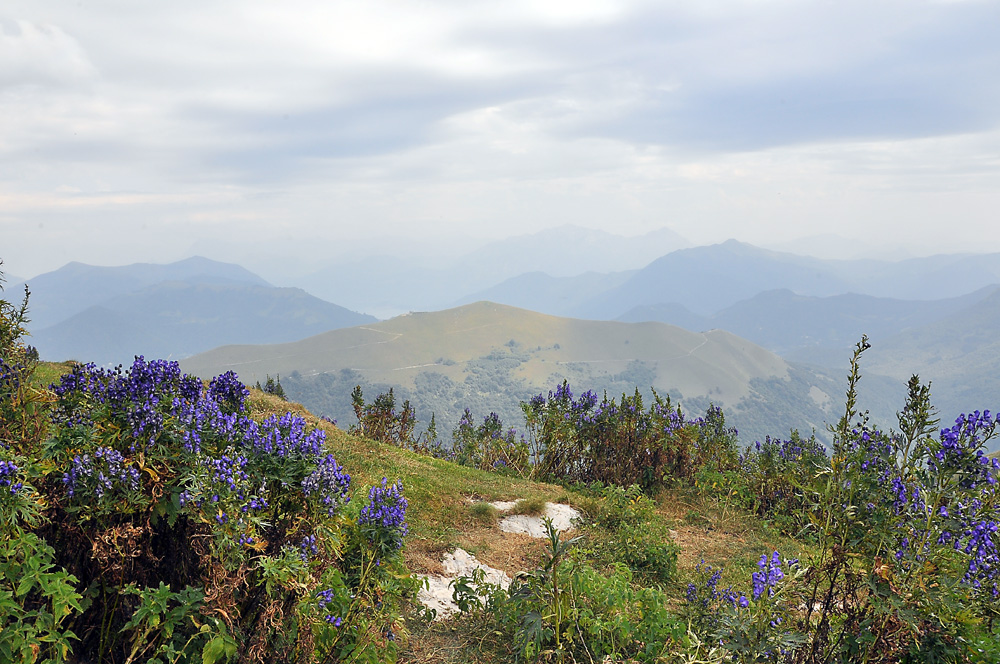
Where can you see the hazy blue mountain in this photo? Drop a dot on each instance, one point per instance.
(175, 319)
(558, 296)
(388, 285)
(57, 295)
(836, 247)
(701, 279)
(570, 250)
(959, 354)
(592, 274)
(385, 286)
(926, 278)
(707, 279)
(818, 330)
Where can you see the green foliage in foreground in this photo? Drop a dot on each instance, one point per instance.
(902, 564)
(147, 518)
(567, 610)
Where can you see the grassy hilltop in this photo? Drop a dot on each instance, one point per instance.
(489, 357)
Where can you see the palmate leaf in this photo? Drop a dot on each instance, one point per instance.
(532, 633)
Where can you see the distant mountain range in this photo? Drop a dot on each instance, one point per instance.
(559, 296)
(706, 280)
(959, 353)
(109, 314)
(390, 285)
(57, 295)
(819, 330)
(952, 342)
(489, 357)
(937, 316)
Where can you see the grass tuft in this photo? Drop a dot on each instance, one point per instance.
(484, 513)
(534, 506)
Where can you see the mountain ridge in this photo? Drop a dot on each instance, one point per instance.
(108, 315)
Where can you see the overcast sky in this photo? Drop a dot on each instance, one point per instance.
(148, 131)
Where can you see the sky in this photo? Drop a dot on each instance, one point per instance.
(148, 132)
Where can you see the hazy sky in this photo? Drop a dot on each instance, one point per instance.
(146, 131)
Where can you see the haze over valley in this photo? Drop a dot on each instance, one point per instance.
(766, 335)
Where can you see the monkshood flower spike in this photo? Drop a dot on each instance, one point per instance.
(385, 514)
(8, 477)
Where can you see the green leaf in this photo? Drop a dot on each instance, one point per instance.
(24, 587)
(213, 650)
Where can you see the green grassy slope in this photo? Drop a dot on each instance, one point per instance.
(442, 516)
(398, 350)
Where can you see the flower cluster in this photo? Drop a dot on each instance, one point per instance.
(308, 547)
(793, 450)
(131, 399)
(286, 436)
(960, 450)
(171, 459)
(10, 376)
(325, 598)
(622, 441)
(101, 473)
(708, 592)
(931, 501)
(778, 470)
(385, 514)
(488, 446)
(227, 391)
(8, 477)
(769, 575)
(329, 483)
(753, 629)
(228, 470)
(237, 463)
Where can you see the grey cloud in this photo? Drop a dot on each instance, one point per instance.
(40, 54)
(776, 76)
(392, 117)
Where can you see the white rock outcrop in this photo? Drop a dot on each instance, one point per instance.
(437, 594)
(562, 518)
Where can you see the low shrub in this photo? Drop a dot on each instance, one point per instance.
(626, 532)
(622, 443)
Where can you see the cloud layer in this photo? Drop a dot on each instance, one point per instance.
(136, 131)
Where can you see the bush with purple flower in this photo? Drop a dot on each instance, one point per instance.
(622, 441)
(179, 484)
(489, 446)
(9, 484)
